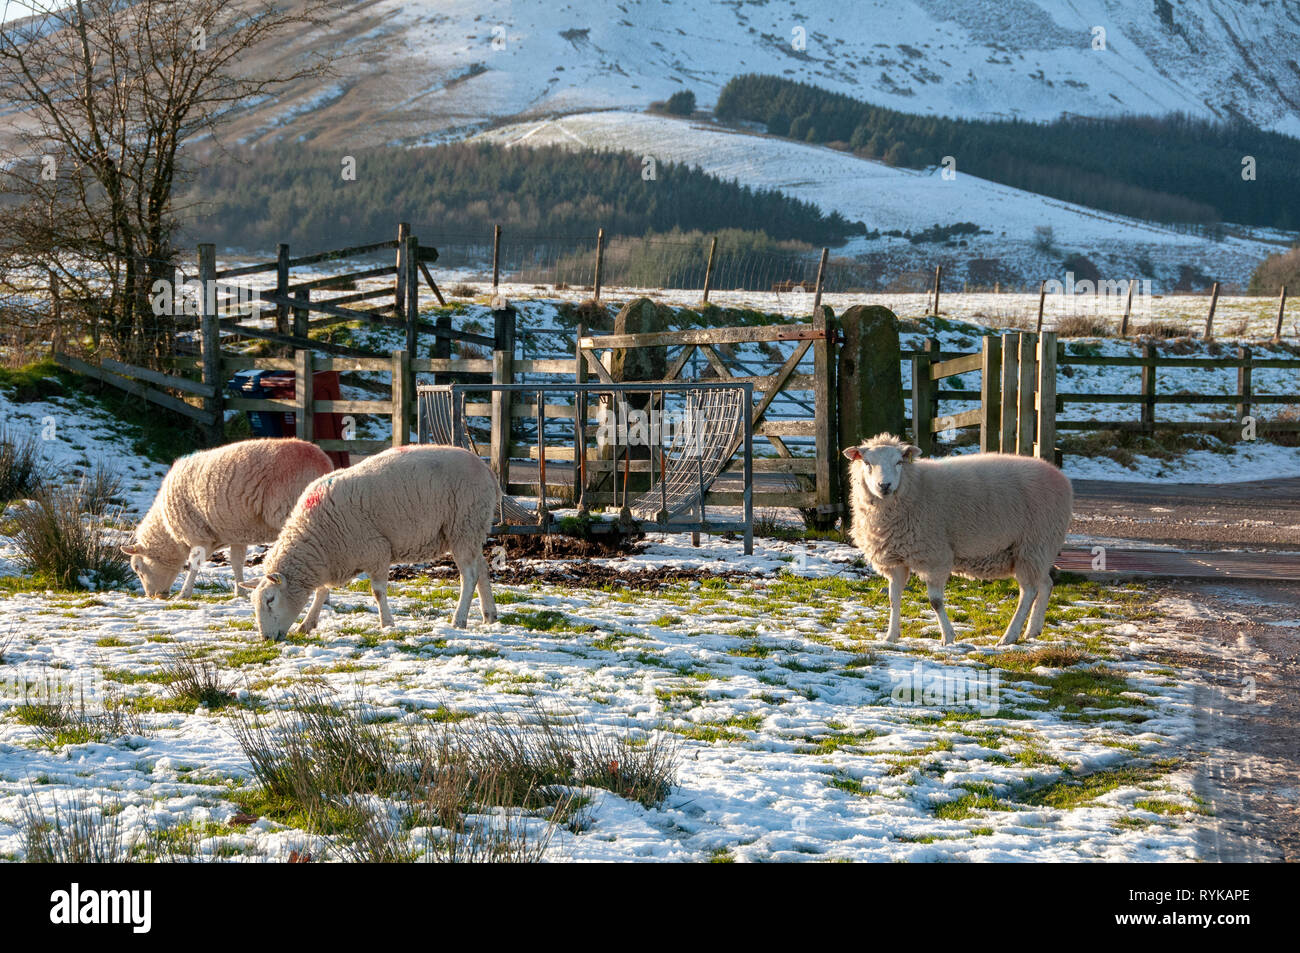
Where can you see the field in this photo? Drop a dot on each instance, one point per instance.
(673, 703)
(795, 734)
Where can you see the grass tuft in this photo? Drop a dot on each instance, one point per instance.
(62, 542)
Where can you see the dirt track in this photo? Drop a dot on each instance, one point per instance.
(1241, 636)
(1261, 515)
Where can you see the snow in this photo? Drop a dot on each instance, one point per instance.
(1034, 59)
(887, 199)
(818, 757)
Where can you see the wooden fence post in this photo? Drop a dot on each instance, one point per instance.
(922, 404)
(496, 258)
(303, 398)
(1045, 447)
(282, 287)
(1209, 318)
(580, 423)
(210, 335)
(821, 277)
(1025, 416)
(401, 399)
(411, 285)
(1281, 309)
(990, 393)
(824, 412)
(708, 269)
(442, 342)
(1042, 299)
(1244, 383)
(503, 359)
(1128, 308)
(399, 285)
(1010, 403)
(301, 316)
(1148, 389)
(600, 265)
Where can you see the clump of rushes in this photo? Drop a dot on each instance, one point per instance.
(485, 789)
(62, 542)
(23, 472)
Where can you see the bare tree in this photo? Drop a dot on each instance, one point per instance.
(100, 98)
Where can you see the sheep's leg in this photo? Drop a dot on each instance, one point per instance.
(1028, 592)
(313, 612)
(237, 554)
(1039, 612)
(379, 589)
(486, 604)
(191, 566)
(898, 576)
(468, 565)
(934, 589)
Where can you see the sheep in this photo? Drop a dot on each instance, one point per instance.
(983, 516)
(235, 496)
(403, 505)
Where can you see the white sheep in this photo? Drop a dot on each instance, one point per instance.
(237, 495)
(983, 516)
(403, 505)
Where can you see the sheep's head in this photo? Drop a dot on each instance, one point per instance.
(157, 570)
(881, 464)
(274, 608)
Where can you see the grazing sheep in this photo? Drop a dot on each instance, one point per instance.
(403, 505)
(984, 516)
(235, 496)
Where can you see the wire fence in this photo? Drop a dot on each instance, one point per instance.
(653, 263)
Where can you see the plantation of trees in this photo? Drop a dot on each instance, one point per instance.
(1174, 169)
(294, 193)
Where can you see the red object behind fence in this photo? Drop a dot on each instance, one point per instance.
(280, 385)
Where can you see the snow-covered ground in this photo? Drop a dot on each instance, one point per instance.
(797, 733)
(798, 736)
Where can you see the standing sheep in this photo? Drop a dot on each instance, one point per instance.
(235, 496)
(403, 505)
(984, 516)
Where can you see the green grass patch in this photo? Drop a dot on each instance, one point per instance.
(1071, 791)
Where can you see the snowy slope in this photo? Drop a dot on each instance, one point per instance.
(414, 70)
(887, 198)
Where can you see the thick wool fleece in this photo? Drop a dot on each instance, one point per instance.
(403, 505)
(984, 516)
(234, 495)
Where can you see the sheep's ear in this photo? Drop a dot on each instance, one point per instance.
(248, 588)
(132, 549)
(275, 578)
(910, 453)
(853, 453)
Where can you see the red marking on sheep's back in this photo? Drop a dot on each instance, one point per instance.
(314, 496)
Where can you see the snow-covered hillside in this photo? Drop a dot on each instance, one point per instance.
(888, 198)
(414, 70)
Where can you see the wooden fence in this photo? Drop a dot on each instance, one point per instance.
(1019, 378)
(1018, 410)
